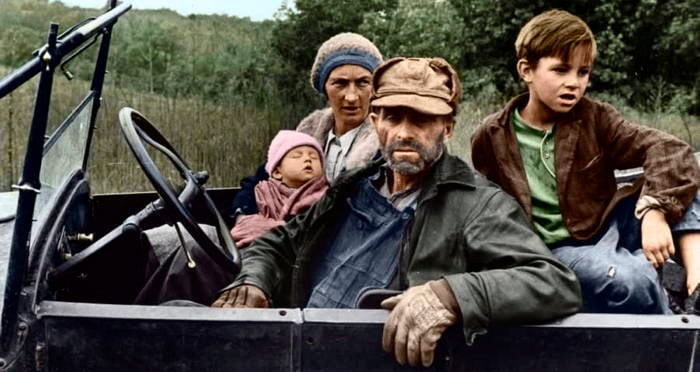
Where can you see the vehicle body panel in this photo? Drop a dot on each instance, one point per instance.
(85, 322)
(98, 337)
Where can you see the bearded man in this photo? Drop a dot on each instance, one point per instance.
(420, 221)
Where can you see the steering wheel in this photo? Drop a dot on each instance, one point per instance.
(137, 130)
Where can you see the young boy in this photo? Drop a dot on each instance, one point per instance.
(555, 151)
(295, 164)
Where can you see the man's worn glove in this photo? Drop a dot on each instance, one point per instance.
(417, 320)
(242, 296)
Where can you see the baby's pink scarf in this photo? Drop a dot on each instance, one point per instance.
(276, 202)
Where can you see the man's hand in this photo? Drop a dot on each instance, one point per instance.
(657, 242)
(242, 296)
(417, 320)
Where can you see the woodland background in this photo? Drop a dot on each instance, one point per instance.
(220, 87)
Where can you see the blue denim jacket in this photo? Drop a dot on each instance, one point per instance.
(364, 252)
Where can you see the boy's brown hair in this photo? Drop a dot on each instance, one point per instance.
(554, 33)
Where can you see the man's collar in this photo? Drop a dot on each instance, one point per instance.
(384, 177)
(400, 200)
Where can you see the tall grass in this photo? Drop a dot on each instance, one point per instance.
(227, 139)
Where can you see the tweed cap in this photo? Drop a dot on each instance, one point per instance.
(427, 85)
(346, 48)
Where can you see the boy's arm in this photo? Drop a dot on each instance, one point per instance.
(671, 172)
(689, 246)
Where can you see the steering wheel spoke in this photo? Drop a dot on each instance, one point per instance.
(138, 131)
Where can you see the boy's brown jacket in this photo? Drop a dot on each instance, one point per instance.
(591, 141)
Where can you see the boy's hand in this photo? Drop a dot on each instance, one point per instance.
(242, 296)
(657, 242)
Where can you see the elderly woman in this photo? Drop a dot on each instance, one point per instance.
(342, 72)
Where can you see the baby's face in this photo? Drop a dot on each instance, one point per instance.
(298, 166)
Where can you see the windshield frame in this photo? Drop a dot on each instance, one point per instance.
(44, 64)
(65, 133)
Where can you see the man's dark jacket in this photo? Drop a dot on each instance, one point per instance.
(465, 229)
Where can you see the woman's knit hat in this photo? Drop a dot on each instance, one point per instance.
(346, 48)
(284, 142)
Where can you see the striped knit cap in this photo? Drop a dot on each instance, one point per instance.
(343, 49)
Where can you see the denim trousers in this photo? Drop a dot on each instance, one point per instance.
(615, 275)
(364, 251)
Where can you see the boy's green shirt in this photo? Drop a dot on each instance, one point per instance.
(537, 151)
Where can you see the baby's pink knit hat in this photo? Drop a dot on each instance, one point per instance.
(284, 142)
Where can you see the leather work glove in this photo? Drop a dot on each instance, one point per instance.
(417, 320)
(245, 295)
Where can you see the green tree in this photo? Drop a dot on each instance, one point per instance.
(143, 54)
(421, 28)
(642, 43)
(301, 30)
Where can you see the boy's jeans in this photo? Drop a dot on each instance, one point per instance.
(614, 274)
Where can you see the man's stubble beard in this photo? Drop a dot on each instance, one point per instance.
(426, 155)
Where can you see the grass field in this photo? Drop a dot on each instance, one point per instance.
(228, 139)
